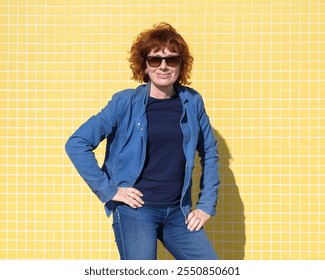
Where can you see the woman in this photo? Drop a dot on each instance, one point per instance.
(153, 133)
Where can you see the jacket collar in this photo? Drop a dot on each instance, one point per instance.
(183, 94)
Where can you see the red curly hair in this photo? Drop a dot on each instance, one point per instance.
(161, 36)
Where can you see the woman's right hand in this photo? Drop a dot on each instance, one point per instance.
(129, 196)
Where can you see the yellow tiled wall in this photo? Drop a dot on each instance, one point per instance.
(260, 68)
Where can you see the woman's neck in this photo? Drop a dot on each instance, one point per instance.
(162, 92)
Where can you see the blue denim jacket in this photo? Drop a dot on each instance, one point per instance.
(123, 123)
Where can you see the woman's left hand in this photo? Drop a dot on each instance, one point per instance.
(196, 219)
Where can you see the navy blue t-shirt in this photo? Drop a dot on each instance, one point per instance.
(161, 180)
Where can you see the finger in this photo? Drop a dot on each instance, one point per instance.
(189, 217)
(136, 197)
(129, 196)
(200, 225)
(193, 224)
(193, 215)
(192, 221)
(135, 191)
(133, 202)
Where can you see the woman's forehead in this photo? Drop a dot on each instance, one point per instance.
(165, 50)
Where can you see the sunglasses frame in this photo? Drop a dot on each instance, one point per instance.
(164, 58)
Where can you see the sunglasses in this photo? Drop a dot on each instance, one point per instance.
(155, 61)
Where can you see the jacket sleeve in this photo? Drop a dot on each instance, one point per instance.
(84, 141)
(208, 152)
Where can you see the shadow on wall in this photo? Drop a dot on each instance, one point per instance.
(228, 234)
(226, 230)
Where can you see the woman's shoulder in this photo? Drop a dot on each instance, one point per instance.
(191, 93)
(131, 93)
(124, 100)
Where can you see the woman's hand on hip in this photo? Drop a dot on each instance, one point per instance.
(196, 219)
(129, 196)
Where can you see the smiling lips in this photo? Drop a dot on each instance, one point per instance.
(163, 75)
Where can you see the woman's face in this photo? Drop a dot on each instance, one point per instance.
(163, 75)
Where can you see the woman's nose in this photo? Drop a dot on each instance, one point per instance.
(163, 64)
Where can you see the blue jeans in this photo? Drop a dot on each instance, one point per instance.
(137, 231)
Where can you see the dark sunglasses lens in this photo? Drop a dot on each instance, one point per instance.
(173, 61)
(154, 61)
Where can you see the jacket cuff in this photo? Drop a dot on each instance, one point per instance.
(208, 210)
(106, 197)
